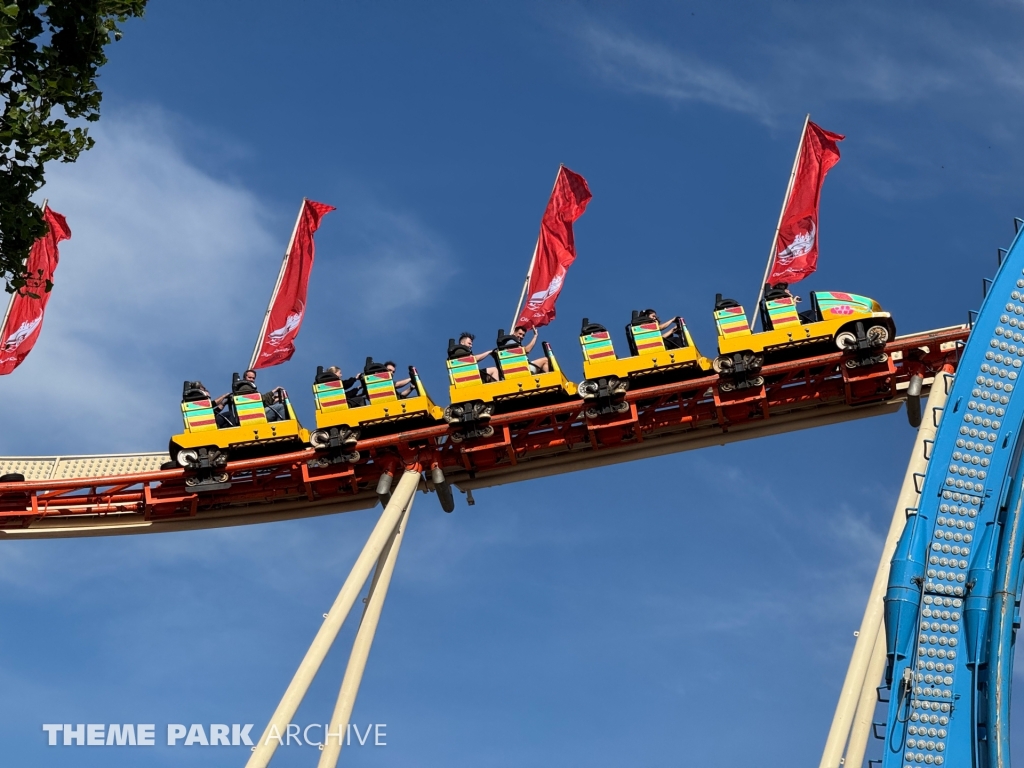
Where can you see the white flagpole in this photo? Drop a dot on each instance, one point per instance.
(7, 312)
(526, 284)
(533, 259)
(277, 285)
(775, 237)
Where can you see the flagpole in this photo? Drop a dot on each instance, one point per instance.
(785, 202)
(526, 284)
(277, 285)
(7, 312)
(533, 259)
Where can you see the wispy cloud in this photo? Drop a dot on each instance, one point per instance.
(643, 66)
(391, 262)
(801, 59)
(931, 98)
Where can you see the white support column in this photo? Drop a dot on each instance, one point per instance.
(871, 624)
(379, 537)
(861, 731)
(361, 647)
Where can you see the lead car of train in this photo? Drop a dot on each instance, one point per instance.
(251, 424)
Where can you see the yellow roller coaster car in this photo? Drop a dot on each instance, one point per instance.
(342, 418)
(474, 401)
(850, 322)
(655, 359)
(242, 431)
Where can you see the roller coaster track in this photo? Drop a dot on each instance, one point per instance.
(953, 598)
(951, 594)
(125, 494)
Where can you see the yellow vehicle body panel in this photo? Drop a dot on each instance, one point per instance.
(599, 360)
(521, 386)
(201, 425)
(667, 359)
(333, 409)
(374, 413)
(837, 310)
(229, 437)
(466, 383)
(784, 337)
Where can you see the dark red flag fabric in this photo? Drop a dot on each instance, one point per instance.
(24, 321)
(288, 304)
(796, 248)
(556, 249)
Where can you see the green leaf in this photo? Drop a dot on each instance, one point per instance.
(50, 55)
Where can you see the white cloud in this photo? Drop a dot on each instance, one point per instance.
(161, 257)
(642, 66)
(166, 277)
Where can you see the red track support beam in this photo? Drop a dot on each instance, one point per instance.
(521, 440)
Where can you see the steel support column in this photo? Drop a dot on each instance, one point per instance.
(861, 731)
(867, 645)
(361, 647)
(378, 540)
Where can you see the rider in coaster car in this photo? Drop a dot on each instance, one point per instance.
(403, 387)
(273, 401)
(779, 291)
(669, 329)
(224, 417)
(274, 404)
(540, 365)
(355, 392)
(224, 406)
(465, 349)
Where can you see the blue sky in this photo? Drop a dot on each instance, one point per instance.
(695, 609)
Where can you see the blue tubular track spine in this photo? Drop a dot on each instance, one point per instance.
(1003, 626)
(954, 586)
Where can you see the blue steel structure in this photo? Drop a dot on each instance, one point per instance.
(952, 604)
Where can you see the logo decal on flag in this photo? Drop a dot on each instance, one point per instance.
(796, 247)
(801, 245)
(556, 248)
(21, 327)
(283, 320)
(294, 321)
(538, 299)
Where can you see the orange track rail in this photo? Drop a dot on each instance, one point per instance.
(526, 444)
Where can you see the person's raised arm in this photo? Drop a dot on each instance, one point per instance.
(482, 355)
(533, 341)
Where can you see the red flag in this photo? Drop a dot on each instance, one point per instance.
(556, 249)
(288, 304)
(24, 320)
(796, 247)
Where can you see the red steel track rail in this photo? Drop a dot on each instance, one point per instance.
(526, 444)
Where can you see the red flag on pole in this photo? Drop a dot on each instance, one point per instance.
(281, 324)
(796, 244)
(555, 250)
(24, 319)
